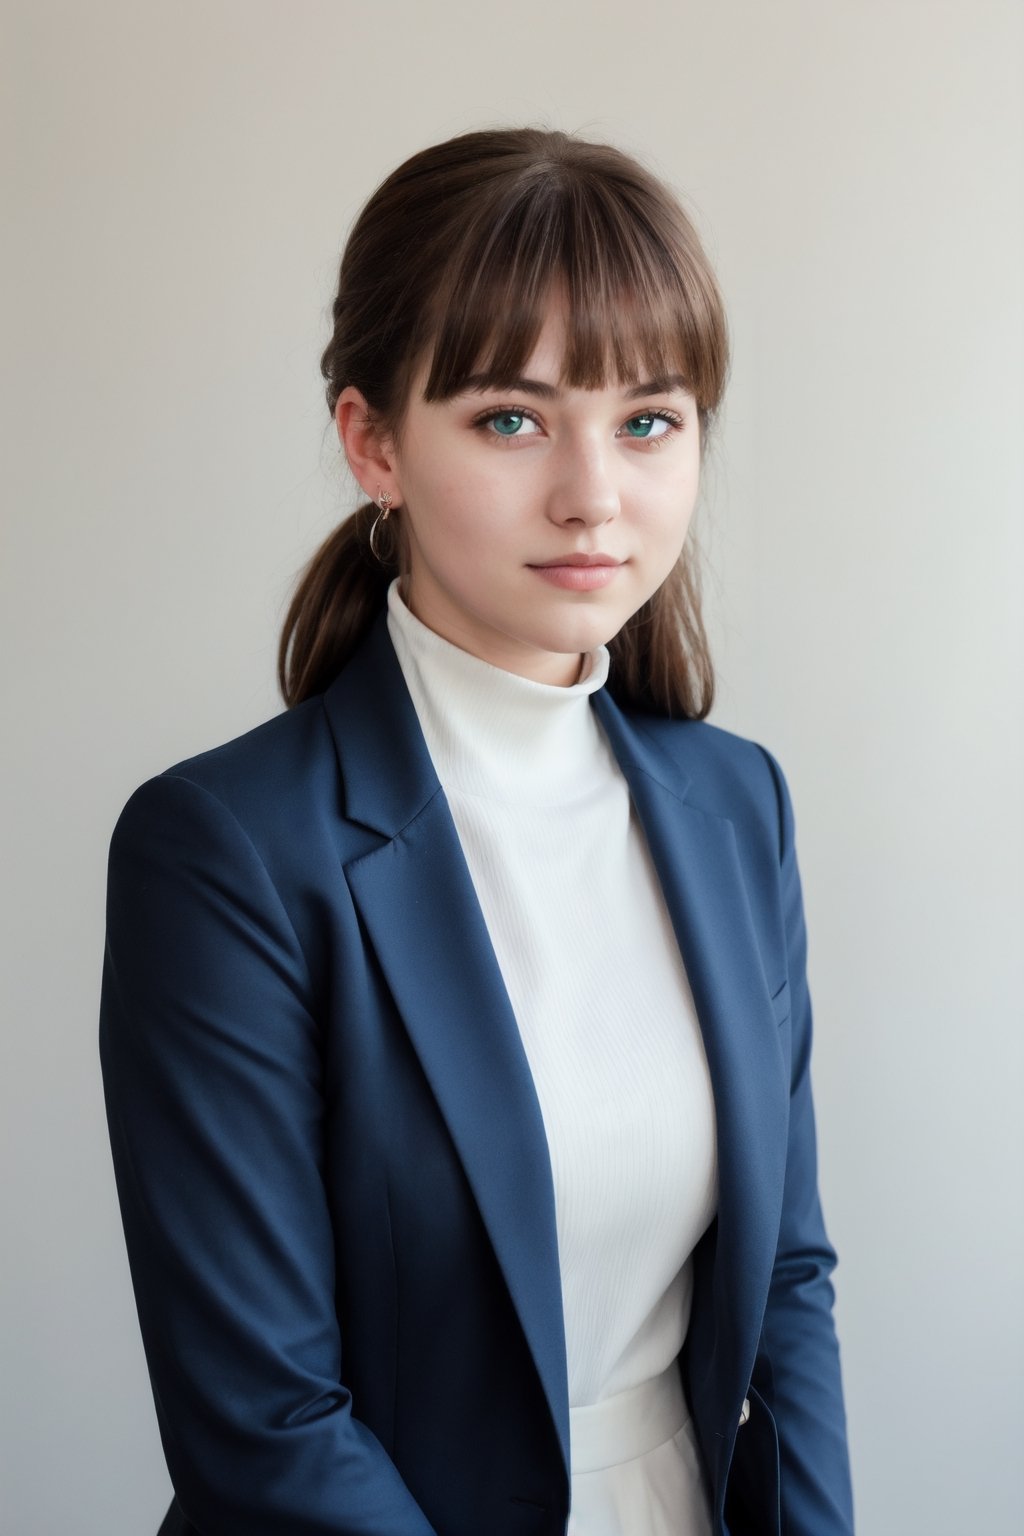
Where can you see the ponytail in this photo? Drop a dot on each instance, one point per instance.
(339, 595)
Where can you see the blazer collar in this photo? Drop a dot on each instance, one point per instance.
(387, 775)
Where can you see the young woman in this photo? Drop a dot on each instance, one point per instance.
(455, 1023)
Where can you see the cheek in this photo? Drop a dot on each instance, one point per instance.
(435, 499)
(668, 516)
(461, 507)
(451, 521)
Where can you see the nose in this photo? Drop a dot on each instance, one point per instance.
(584, 493)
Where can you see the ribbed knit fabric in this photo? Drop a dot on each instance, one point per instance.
(593, 972)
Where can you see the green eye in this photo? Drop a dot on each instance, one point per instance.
(641, 426)
(507, 423)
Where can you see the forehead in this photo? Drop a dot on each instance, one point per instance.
(548, 358)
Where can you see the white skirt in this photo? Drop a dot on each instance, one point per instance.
(635, 1466)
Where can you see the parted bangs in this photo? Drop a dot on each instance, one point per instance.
(625, 269)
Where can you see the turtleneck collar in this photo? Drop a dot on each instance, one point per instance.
(492, 733)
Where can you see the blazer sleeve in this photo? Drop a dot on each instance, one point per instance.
(212, 1075)
(800, 1352)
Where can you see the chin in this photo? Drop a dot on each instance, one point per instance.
(587, 634)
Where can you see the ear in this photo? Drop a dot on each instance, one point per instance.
(369, 455)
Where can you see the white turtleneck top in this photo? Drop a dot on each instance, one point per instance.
(586, 949)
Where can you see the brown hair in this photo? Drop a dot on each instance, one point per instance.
(455, 259)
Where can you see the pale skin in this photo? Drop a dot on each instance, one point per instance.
(501, 492)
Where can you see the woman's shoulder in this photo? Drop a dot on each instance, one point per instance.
(721, 772)
(269, 757)
(260, 779)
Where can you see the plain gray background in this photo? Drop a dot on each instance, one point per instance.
(180, 179)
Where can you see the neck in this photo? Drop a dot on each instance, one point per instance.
(494, 732)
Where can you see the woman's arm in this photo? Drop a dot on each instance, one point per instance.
(212, 1073)
(800, 1351)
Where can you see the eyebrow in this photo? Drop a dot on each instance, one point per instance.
(477, 382)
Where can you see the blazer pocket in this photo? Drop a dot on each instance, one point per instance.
(781, 1003)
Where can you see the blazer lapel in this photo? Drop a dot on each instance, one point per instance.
(697, 860)
(416, 899)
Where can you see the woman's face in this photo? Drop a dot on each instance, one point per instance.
(539, 519)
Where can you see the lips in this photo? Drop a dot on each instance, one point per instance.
(579, 573)
(575, 560)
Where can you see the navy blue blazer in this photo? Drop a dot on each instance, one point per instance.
(331, 1161)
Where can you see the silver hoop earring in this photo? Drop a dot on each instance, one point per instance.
(384, 500)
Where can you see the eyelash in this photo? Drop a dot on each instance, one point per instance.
(484, 420)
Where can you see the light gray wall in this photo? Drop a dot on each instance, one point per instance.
(180, 178)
